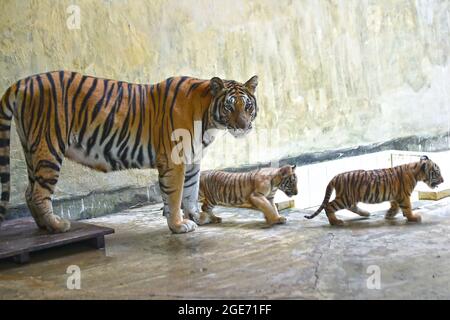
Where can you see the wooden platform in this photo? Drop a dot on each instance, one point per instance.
(20, 237)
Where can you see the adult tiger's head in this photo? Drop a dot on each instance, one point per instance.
(288, 180)
(234, 105)
(431, 172)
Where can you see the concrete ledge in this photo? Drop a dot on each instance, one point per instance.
(96, 204)
(410, 143)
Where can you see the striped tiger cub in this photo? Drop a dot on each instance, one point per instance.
(254, 189)
(392, 184)
(111, 125)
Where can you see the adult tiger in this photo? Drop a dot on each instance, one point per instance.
(374, 186)
(112, 125)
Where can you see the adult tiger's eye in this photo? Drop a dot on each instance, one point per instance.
(228, 106)
(248, 105)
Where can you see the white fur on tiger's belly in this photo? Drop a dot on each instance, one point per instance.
(95, 160)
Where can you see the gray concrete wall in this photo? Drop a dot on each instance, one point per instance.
(333, 74)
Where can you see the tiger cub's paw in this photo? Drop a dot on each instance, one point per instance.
(336, 222)
(216, 219)
(364, 213)
(192, 216)
(207, 218)
(414, 218)
(390, 215)
(279, 220)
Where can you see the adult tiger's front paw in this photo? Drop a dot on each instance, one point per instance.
(185, 226)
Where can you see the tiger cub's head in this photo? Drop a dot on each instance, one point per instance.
(288, 180)
(430, 172)
(233, 106)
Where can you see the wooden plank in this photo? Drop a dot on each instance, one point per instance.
(20, 237)
(434, 195)
(282, 205)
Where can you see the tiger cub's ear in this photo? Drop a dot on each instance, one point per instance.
(423, 166)
(285, 171)
(423, 160)
(216, 86)
(251, 84)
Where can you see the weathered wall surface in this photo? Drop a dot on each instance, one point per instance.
(333, 74)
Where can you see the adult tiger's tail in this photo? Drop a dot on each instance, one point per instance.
(5, 130)
(328, 193)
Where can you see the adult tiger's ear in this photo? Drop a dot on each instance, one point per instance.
(293, 167)
(251, 84)
(216, 86)
(424, 158)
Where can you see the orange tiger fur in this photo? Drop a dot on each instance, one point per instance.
(112, 125)
(392, 184)
(254, 189)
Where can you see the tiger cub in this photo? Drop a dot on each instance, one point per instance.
(392, 184)
(254, 189)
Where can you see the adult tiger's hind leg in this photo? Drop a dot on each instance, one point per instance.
(393, 210)
(34, 213)
(359, 211)
(39, 195)
(29, 191)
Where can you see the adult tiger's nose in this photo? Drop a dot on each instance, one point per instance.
(241, 123)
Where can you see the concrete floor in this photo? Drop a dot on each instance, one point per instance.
(242, 258)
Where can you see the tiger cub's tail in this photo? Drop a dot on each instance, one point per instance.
(5, 130)
(328, 193)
